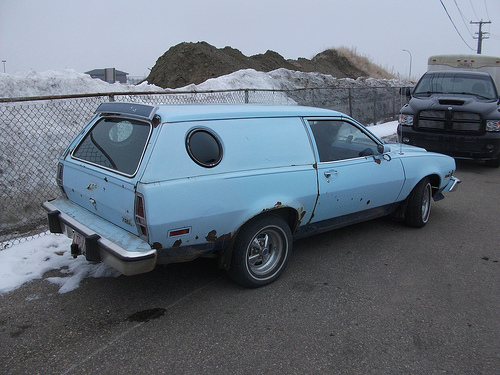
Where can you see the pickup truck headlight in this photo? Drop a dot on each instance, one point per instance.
(406, 120)
(493, 125)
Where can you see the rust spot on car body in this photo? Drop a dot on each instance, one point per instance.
(302, 214)
(376, 160)
(127, 220)
(157, 246)
(177, 243)
(212, 237)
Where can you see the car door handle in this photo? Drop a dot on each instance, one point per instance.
(328, 174)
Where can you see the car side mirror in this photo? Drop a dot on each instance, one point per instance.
(383, 149)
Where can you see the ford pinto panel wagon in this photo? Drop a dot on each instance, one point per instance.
(145, 185)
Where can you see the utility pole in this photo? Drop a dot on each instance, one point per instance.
(480, 35)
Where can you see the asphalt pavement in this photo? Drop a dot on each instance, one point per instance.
(374, 298)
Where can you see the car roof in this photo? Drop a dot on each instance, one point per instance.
(461, 72)
(195, 112)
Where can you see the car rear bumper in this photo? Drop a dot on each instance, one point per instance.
(102, 240)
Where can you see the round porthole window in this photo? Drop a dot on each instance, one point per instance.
(204, 147)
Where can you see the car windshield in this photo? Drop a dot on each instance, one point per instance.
(456, 83)
(115, 144)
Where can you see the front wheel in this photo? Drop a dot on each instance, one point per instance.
(261, 251)
(418, 207)
(495, 163)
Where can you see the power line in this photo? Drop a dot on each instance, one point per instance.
(453, 23)
(463, 18)
(486, 7)
(474, 10)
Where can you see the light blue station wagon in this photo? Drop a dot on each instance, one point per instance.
(145, 185)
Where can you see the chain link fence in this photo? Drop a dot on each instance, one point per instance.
(35, 131)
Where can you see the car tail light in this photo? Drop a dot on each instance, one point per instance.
(59, 179)
(140, 216)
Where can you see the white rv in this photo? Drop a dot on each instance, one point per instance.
(480, 63)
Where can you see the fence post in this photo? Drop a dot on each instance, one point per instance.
(375, 106)
(350, 101)
(393, 104)
(246, 97)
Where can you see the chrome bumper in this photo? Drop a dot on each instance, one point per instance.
(451, 186)
(105, 241)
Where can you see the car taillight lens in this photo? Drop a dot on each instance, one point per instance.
(59, 179)
(140, 216)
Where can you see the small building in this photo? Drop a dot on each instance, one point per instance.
(110, 75)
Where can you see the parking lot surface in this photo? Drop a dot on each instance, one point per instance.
(377, 298)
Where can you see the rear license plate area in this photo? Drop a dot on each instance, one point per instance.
(79, 240)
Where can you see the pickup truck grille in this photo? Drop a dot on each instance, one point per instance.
(449, 121)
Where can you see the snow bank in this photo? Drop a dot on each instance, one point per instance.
(71, 82)
(61, 82)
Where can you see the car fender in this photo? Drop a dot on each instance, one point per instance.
(418, 165)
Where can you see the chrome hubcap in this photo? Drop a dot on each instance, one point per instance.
(265, 251)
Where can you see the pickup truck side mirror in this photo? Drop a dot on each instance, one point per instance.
(405, 91)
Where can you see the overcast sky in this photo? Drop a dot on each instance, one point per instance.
(131, 35)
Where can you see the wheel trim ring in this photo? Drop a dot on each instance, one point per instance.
(278, 244)
(426, 203)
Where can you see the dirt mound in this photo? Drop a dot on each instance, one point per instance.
(188, 63)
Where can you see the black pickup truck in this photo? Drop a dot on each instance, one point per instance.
(455, 113)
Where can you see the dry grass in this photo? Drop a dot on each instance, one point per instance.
(363, 63)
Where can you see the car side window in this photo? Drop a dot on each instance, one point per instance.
(340, 140)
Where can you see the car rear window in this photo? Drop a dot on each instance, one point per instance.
(115, 144)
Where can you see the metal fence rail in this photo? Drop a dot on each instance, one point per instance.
(35, 131)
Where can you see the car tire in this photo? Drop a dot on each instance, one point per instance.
(495, 163)
(261, 251)
(418, 207)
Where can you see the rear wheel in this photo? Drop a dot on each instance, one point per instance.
(418, 208)
(261, 251)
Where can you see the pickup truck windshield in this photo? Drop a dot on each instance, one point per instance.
(115, 144)
(456, 83)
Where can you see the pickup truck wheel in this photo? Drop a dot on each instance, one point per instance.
(261, 251)
(418, 209)
(495, 163)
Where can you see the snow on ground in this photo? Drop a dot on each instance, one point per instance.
(385, 130)
(33, 258)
